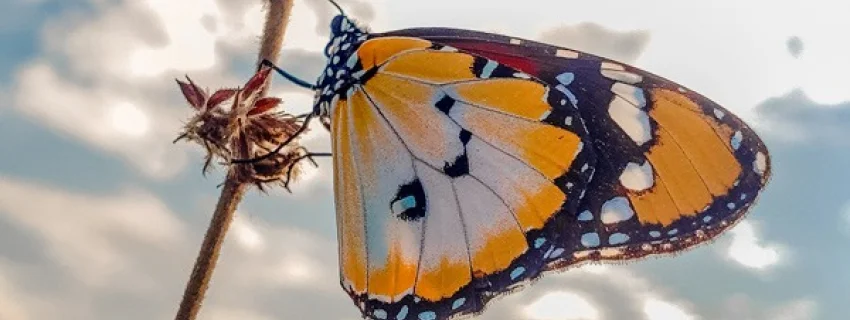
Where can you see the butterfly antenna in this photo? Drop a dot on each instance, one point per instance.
(288, 76)
(337, 6)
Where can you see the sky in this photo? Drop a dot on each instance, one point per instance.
(101, 215)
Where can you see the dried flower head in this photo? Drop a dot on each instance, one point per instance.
(250, 127)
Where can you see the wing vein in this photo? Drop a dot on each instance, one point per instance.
(465, 234)
(422, 237)
(513, 214)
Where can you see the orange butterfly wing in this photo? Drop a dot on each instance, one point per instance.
(674, 168)
(447, 177)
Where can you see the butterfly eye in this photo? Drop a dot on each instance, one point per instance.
(337, 24)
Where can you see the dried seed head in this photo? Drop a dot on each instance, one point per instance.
(249, 128)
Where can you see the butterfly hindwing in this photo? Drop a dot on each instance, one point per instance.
(674, 168)
(451, 174)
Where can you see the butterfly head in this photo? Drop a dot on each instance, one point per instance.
(346, 37)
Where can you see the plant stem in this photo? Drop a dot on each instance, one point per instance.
(231, 195)
(277, 18)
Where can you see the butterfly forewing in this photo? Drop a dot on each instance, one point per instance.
(451, 170)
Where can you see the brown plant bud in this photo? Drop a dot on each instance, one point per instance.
(249, 128)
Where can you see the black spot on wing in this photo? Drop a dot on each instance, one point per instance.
(458, 168)
(465, 136)
(485, 68)
(409, 202)
(445, 104)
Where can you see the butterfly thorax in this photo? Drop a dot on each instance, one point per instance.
(340, 74)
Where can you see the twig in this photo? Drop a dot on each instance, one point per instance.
(277, 18)
(231, 195)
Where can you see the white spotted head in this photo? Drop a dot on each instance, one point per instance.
(346, 37)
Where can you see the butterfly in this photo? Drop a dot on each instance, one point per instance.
(467, 164)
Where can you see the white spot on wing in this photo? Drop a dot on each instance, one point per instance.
(616, 210)
(590, 240)
(569, 54)
(488, 69)
(633, 121)
(719, 113)
(736, 140)
(760, 164)
(516, 41)
(565, 79)
(632, 94)
(637, 177)
(448, 49)
(622, 76)
(618, 238)
(611, 66)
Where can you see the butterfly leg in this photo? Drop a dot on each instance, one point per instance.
(279, 147)
(288, 76)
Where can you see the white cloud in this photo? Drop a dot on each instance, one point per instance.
(845, 218)
(657, 309)
(107, 79)
(80, 231)
(562, 305)
(129, 245)
(224, 313)
(748, 250)
(613, 291)
(131, 126)
(297, 260)
(12, 302)
(5, 100)
(801, 309)
(743, 307)
(247, 234)
(624, 46)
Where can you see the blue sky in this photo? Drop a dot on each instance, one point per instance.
(101, 216)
